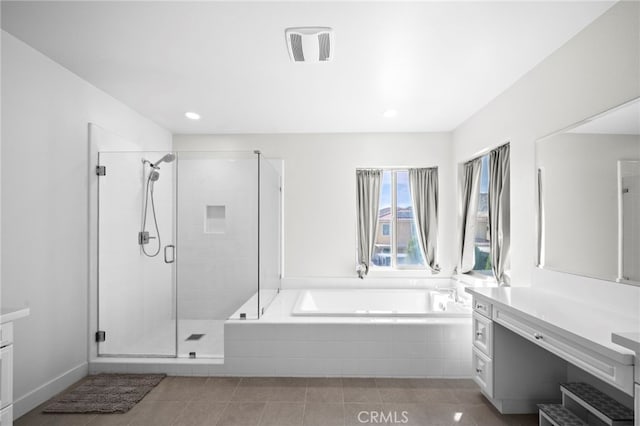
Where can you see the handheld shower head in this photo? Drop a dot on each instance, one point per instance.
(166, 159)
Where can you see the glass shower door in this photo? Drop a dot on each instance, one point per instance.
(136, 253)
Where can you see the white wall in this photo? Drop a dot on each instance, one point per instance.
(593, 72)
(45, 112)
(320, 189)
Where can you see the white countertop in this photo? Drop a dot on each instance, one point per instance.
(630, 340)
(588, 324)
(12, 314)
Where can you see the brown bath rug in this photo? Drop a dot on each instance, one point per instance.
(105, 393)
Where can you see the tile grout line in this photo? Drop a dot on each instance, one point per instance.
(304, 407)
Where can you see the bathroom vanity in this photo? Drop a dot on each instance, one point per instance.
(7, 317)
(524, 340)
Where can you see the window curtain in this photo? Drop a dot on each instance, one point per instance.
(469, 203)
(423, 184)
(368, 198)
(499, 215)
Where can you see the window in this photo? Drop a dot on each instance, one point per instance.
(396, 244)
(481, 244)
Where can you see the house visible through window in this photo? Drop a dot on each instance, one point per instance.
(481, 245)
(396, 243)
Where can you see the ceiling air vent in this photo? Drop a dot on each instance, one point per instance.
(310, 44)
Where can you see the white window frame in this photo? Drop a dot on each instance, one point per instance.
(393, 266)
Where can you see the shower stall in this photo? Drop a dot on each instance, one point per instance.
(185, 241)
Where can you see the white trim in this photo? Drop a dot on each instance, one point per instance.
(389, 272)
(587, 120)
(32, 399)
(476, 279)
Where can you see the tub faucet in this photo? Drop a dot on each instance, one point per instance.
(453, 292)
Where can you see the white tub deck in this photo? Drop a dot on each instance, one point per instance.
(378, 303)
(281, 310)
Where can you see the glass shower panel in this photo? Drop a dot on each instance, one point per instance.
(270, 230)
(217, 234)
(136, 291)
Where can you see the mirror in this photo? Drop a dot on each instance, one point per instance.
(588, 179)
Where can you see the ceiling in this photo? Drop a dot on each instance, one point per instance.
(436, 63)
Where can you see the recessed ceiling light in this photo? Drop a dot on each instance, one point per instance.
(192, 115)
(390, 113)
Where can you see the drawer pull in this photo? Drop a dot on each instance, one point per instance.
(479, 306)
(478, 333)
(478, 370)
(537, 336)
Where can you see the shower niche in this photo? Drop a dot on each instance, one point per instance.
(214, 219)
(185, 240)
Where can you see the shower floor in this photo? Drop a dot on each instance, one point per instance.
(210, 345)
(161, 340)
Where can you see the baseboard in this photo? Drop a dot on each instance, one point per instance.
(31, 400)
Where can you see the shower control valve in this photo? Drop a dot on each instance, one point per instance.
(144, 237)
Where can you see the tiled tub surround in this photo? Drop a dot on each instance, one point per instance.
(281, 344)
(250, 401)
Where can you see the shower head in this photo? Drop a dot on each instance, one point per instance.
(154, 176)
(166, 159)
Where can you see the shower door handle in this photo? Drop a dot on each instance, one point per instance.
(173, 253)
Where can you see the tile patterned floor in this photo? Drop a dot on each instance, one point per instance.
(229, 401)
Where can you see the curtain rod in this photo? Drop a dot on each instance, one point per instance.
(486, 152)
(394, 169)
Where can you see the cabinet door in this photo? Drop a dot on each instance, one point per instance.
(6, 378)
(483, 372)
(483, 334)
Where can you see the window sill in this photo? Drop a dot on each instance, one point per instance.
(405, 273)
(476, 279)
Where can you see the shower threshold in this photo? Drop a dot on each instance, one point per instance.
(180, 366)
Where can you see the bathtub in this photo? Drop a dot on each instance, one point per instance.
(378, 303)
(339, 332)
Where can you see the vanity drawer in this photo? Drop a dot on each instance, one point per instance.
(483, 334)
(482, 307)
(609, 370)
(483, 372)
